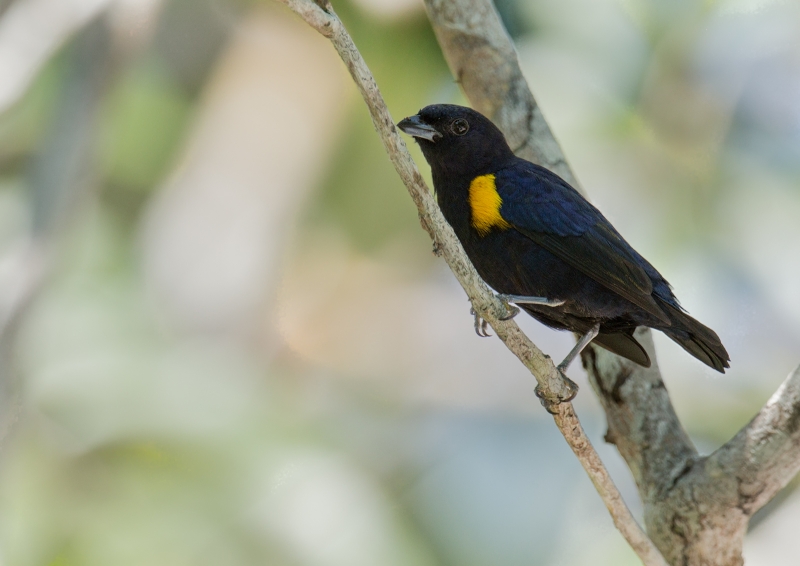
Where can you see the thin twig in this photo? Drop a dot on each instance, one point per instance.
(552, 386)
(322, 18)
(573, 432)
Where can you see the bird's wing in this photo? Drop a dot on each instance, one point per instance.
(543, 207)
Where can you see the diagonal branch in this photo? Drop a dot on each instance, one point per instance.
(765, 455)
(483, 59)
(481, 54)
(552, 387)
(447, 245)
(696, 508)
(641, 420)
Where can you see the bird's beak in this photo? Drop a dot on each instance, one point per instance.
(414, 126)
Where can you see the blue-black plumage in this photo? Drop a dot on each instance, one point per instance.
(529, 233)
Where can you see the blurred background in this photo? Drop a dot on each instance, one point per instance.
(224, 339)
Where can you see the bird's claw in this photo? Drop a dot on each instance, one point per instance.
(481, 325)
(511, 310)
(551, 404)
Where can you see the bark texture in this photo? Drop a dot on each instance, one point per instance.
(552, 388)
(696, 507)
(483, 60)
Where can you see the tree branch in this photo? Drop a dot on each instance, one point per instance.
(551, 386)
(569, 425)
(765, 455)
(481, 54)
(483, 59)
(641, 420)
(696, 509)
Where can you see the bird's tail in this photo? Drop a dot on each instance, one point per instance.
(697, 339)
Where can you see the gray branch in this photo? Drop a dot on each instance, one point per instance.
(765, 455)
(552, 387)
(446, 244)
(483, 59)
(696, 508)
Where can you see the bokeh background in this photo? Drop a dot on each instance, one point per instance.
(225, 339)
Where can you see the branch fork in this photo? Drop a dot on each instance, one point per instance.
(696, 508)
(552, 388)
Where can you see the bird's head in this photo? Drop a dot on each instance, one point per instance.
(456, 139)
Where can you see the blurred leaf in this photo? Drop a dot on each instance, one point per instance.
(362, 193)
(22, 127)
(145, 120)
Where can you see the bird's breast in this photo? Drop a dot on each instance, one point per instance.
(484, 205)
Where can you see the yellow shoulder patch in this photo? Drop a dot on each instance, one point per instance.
(484, 202)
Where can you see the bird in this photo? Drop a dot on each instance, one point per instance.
(542, 246)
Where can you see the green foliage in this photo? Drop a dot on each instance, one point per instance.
(23, 125)
(145, 119)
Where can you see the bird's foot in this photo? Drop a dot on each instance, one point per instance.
(511, 310)
(572, 387)
(551, 404)
(481, 325)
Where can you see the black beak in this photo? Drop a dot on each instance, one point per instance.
(414, 126)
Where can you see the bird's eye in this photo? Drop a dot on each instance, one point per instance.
(459, 127)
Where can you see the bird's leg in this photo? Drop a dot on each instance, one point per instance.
(549, 405)
(523, 300)
(481, 326)
(582, 343)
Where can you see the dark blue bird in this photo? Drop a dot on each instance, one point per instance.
(539, 243)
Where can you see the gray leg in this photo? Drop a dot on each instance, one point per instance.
(582, 343)
(481, 326)
(523, 300)
(551, 406)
